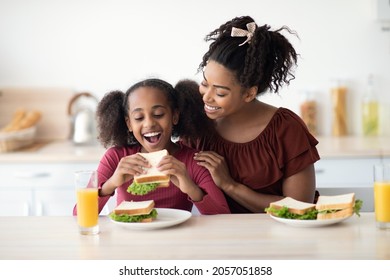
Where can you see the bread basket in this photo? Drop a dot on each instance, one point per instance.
(16, 140)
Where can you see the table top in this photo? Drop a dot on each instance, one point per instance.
(217, 237)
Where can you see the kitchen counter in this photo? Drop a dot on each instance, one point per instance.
(66, 151)
(55, 151)
(233, 236)
(353, 146)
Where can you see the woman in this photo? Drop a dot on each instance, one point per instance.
(256, 153)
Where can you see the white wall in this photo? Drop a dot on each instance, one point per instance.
(104, 45)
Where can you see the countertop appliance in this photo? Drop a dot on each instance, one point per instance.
(81, 110)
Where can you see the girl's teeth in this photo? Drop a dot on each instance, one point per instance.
(151, 134)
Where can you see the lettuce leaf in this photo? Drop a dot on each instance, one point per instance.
(358, 205)
(141, 189)
(284, 213)
(311, 215)
(132, 219)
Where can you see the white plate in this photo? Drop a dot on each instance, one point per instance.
(166, 218)
(308, 223)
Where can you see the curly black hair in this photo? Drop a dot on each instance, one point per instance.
(266, 61)
(184, 98)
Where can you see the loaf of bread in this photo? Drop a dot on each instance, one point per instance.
(22, 119)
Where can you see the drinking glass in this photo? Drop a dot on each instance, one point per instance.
(87, 201)
(382, 195)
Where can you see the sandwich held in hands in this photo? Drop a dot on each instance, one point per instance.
(134, 212)
(327, 207)
(153, 178)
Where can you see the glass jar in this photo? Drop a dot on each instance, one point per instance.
(370, 110)
(308, 111)
(339, 110)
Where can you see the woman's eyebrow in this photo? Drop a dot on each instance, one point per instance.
(217, 86)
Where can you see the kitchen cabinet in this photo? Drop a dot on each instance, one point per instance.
(346, 165)
(16, 202)
(43, 189)
(343, 175)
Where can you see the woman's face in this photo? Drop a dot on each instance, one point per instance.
(151, 118)
(222, 94)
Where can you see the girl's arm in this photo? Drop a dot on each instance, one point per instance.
(208, 198)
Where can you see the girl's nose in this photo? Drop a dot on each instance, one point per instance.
(149, 122)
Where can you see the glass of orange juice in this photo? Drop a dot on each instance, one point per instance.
(87, 201)
(382, 195)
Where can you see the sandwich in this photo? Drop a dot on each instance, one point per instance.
(327, 207)
(153, 178)
(290, 208)
(134, 212)
(337, 206)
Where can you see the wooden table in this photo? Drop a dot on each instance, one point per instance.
(222, 237)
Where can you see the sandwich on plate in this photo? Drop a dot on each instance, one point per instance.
(336, 206)
(290, 208)
(153, 178)
(327, 207)
(134, 212)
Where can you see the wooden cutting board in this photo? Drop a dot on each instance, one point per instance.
(55, 123)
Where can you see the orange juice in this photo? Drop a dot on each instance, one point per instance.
(382, 201)
(87, 207)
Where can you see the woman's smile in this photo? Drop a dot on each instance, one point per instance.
(211, 109)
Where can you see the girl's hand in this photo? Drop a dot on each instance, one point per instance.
(217, 167)
(127, 168)
(177, 170)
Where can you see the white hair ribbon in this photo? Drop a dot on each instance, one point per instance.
(238, 32)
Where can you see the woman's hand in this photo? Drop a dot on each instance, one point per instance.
(217, 167)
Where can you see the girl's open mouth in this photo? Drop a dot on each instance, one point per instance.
(152, 137)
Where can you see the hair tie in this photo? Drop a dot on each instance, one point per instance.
(238, 32)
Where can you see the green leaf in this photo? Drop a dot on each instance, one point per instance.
(141, 189)
(284, 213)
(131, 218)
(358, 205)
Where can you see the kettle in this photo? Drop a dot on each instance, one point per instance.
(81, 110)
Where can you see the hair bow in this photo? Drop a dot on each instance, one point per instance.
(238, 32)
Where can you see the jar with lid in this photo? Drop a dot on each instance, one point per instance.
(339, 110)
(308, 112)
(370, 110)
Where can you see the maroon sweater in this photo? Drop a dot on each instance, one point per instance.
(213, 202)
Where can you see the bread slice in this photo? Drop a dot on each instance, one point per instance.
(293, 205)
(347, 212)
(134, 207)
(153, 175)
(335, 202)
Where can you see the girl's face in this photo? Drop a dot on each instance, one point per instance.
(151, 118)
(222, 94)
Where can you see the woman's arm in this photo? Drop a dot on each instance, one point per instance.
(300, 186)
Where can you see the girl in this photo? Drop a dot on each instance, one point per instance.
(144, 119)
(256, 153)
